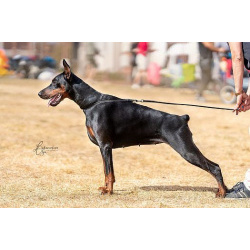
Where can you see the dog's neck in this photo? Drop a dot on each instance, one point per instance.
(83, 94)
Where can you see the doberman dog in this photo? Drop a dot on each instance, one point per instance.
(114, 123)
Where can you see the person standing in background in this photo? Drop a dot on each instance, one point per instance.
(133, 64)
(91, 52)
(206, 50)
(142, 50)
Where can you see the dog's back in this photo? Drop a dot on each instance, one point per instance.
(128, 124)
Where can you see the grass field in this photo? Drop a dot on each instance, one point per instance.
(146, 176)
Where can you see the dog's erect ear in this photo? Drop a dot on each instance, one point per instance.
(67, 70)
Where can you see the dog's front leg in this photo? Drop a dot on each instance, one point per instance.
(106, 151)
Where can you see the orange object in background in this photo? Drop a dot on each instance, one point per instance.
(3, 63)
(3, 60)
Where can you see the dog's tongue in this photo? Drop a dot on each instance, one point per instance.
(51, 100)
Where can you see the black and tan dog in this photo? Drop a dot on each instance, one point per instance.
(112, 123)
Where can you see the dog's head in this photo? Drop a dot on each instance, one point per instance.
(59, 88)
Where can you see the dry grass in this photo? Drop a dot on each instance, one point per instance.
(149, 176)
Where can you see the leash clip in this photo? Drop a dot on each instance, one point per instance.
(139, 100)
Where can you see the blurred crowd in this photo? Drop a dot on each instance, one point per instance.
(177, 68)
(27, 66)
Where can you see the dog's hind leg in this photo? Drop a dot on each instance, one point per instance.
(106, 151)
(182, 142)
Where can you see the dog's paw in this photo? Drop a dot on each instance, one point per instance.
(221, 194)
(105, 190)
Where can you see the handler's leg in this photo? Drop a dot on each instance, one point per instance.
(106, 152)
(247, 180)
(241, 189)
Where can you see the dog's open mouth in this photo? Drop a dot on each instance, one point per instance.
(55, 100)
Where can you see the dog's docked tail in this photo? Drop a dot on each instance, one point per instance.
(186, 117)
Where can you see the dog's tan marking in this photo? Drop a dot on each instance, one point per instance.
(91, 132)
(221, 191)
(57, 91)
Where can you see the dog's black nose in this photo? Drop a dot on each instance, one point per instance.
(40, 93)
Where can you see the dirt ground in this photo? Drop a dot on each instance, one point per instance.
(146, 176)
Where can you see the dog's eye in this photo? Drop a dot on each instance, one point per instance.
(56, 85)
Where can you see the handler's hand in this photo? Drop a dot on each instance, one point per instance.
(241, 105)
(246, 104)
